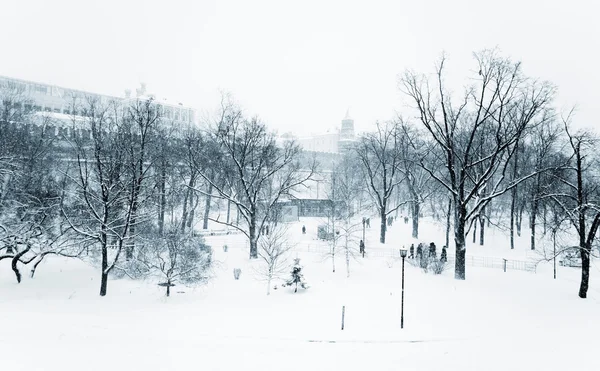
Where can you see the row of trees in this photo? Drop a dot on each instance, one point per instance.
(498, 148)
(123, 175)
(121, 186)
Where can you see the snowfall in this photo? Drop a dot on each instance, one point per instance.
(494, 320)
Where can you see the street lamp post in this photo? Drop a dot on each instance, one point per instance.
(403, 253)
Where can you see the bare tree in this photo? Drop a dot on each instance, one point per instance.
(273, 251)
(260, 171)
(380, 157)
(140, 123)
(413, 152)
(476, 138)
(102, 204)
(175, 257)
(580, 198)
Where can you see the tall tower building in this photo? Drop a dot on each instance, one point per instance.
(347, 131)
(347, 138)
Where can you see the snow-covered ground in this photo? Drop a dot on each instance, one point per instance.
(492, 321)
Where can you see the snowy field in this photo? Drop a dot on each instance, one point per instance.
(492, 321)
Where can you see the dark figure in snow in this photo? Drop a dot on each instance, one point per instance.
(267, 230)
(406, 220)
(361, 245)
(303, 229)
(443, 255)
(420, 251)
(432, 252)
(368, 222)
(389, 221)
(411, 251)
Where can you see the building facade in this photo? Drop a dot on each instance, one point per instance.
(333, 142)
(63, 103)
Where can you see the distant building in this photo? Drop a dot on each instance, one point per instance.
(64, 103)
(331, 142)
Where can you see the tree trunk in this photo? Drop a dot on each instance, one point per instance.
(104, 277)
(15, 261)
(130, 246)
(194, 201)
(519, 220)
(184, 213)
(228, 211)
(269, 283)
(253, 237)
(513, 203)
(162, 203)
(459, 239)
(585, 271)
(533, 221)
(448, 218)
(383, 226)
(482, 230)
(207, 206)
(415, 219)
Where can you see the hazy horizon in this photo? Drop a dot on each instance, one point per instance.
(298, 66)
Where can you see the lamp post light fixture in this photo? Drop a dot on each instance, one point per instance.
(403, 253)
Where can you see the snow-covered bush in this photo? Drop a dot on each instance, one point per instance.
(438, 266)
(175, 258)
(297, 278)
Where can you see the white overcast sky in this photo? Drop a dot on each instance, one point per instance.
(297, 64)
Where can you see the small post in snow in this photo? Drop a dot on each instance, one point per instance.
(343, 314)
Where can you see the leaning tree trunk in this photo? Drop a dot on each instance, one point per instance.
(15, 261)
(194, 200)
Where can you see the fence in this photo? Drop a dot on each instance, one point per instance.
(497, 263)
(470, 260)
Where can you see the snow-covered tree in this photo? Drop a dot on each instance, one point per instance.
(175, 257)
(272, 251)
(297, 277)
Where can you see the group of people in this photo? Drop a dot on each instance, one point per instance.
(427, 252)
